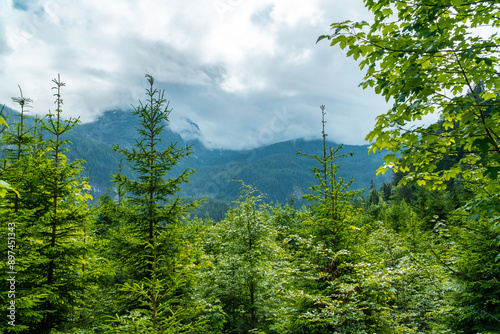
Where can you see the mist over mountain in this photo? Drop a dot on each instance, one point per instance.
(276, 170)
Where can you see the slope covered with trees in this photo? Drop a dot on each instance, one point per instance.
(276, 169)
(406, 257)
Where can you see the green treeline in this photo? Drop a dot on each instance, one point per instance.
(401, 259)
(420, 254)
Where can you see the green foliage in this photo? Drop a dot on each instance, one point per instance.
(331, 197)
(49, 220)
(321, 293)
(407, 260)
(2, 121)
(431, 58)
(151, 193)
(212, 208)
(146, 230)
(465, 249)
(244, 264)
(4, 186)
(161, 308)
(403, 288)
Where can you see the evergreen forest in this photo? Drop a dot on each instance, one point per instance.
(418, 253)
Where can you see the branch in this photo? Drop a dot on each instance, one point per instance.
(457, 272)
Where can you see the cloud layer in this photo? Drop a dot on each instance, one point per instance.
(247, 72)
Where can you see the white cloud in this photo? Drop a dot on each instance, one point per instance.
(228, 65)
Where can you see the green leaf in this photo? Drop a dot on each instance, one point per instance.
(4, 186)
(492, 172)
(421, 182)
(429, 58)
(401, 97)
(322, 37)
(488, 96)
(2, 121)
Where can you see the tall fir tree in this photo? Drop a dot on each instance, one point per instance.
(65, 220)
(331, 198)
(244, 264)
(329, 263)
(152, 246)
(49, 215)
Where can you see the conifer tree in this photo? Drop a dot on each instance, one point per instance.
(16, 142)
(152, 194)
(329, 263)
(4, 186)
(49, 216)
(151, 238)
(245, 264)
(331, 197)
(67, 213)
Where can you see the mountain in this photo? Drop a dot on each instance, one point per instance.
(276, 170)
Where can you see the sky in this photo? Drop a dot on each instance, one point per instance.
(248, 73)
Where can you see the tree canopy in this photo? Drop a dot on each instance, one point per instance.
(434, 57)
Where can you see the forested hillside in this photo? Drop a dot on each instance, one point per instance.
(418, 253)
(276, 170)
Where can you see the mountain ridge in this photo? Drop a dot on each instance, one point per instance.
(275, 169)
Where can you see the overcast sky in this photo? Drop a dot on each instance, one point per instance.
(247, 72)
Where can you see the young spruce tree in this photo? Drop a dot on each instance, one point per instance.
(325, 297)
(49, 214)
(154, 277)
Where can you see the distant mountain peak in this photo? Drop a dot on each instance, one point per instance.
(193, 124)
(187, 129)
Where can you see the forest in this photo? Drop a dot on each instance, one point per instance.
(419, 254)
